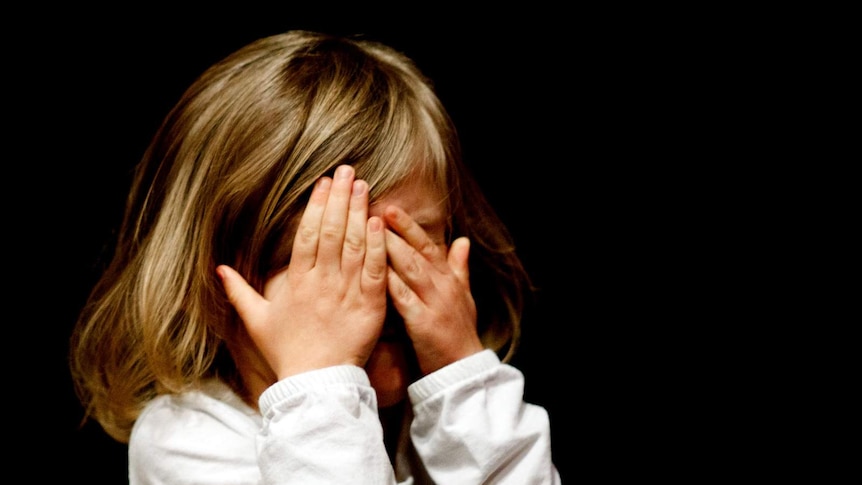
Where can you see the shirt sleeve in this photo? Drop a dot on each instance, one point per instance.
(322, 427)
(472, 425)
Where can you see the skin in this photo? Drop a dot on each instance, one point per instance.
(329, 306)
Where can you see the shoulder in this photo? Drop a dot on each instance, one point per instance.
(212, 407)
(211, 424)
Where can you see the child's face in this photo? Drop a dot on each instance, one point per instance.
(387, 367)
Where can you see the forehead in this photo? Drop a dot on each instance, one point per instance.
(425, 202)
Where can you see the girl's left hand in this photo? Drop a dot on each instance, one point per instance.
(430, 288)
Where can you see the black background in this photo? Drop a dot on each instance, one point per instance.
(579, 125)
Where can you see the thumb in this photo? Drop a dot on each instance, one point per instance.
(458, 255)
(247, 302)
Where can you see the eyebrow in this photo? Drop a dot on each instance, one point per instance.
(436, 229)
(430, 219)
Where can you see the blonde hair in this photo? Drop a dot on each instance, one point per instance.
(223, 180)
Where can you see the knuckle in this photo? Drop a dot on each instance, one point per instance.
(353, 245)
(412, 269)
(376, 273)
(330, 234)
(306, 235)
(401, 292)
(428, 249)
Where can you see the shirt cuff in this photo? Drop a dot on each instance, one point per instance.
(453, 373)
(311, 380)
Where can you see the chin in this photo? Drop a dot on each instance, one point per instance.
(388, 372)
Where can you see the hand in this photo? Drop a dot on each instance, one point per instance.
(327, 307)
(431, 291)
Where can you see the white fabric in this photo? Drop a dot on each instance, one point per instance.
(469, 425)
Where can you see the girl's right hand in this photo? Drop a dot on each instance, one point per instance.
(327, 307)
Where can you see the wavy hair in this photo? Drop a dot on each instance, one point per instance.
(225, 179)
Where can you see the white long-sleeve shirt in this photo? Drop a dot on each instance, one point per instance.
(468, 425)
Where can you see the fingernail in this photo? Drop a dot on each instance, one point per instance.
(343, 171)
(375, 224)
(358, 188)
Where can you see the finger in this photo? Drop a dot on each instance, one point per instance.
(401, 222)
(408, 263)
(405, 301)
(333, 225)
(304, 253)
(374, 271)
(353, 251)
(459, 253)
(247, 302)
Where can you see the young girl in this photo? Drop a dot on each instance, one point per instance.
(309, 287)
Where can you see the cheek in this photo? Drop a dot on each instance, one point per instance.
(376, 205)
